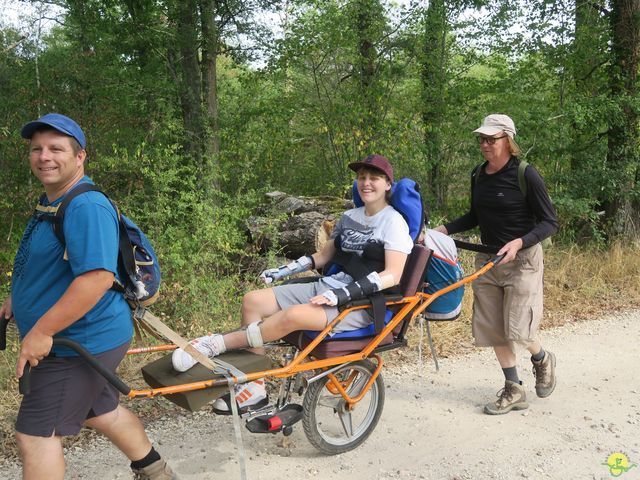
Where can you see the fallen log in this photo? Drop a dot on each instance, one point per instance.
(295, 226)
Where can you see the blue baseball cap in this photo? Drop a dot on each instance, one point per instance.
(58, 122)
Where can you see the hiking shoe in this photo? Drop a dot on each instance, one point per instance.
(511, 397)
(158, 470)
(545, 372)
(249, 396)
(208, 345)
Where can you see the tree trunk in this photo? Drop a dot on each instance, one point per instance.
(433, 95)
(367, 21)
(623, 155)
(210, 43)
(142, 23)
(190, 81)
(588, 58)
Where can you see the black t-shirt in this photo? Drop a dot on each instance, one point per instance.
(501, 210)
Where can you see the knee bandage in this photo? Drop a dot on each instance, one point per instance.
(254, 335)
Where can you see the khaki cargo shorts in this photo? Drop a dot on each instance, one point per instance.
(507, 300)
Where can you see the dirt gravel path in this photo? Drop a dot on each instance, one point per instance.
(433, 427)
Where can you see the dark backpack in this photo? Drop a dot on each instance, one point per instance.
(522, 183)
(138, 266)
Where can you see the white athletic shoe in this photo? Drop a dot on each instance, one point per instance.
(209, 345)
(250, 395)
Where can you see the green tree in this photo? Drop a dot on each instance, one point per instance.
(623, 156)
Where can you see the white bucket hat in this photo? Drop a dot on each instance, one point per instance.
(496, 123)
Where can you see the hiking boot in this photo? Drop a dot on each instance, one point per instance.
(158, 470)
(545, 372)
(208, 345)
(249, 396)
(511, 397)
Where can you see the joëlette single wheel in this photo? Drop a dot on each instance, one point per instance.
(328, 423)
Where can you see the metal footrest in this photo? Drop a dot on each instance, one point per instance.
(281, 421)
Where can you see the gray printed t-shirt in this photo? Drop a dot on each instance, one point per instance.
(387, 227)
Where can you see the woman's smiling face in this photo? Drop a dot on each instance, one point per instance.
(372, 185)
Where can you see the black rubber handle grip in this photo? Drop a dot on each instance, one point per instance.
(498, 259)
(476, 247)
(4, 322)
(25, 381)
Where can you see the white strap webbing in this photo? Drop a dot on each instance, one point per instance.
(236, 427)
(154, 322)
(216, 366)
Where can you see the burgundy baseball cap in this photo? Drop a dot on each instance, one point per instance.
(377, 162)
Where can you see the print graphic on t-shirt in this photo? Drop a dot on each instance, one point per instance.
(355, 235)
(25, 247)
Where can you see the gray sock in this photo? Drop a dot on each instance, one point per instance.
(511, 374)
(538, 356)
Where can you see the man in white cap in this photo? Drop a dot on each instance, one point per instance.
(511, 205)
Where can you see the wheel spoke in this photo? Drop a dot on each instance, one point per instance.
(329, 401)
(357, 385)
(345, 419)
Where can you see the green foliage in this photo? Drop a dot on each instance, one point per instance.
(343, 79)
(200, 243)
(579, 222)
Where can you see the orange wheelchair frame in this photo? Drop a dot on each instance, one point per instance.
(340, 383)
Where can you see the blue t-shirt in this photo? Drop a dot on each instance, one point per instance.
(41, 275)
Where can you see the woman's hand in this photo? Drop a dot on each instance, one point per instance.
(510, 250)
(325, 298)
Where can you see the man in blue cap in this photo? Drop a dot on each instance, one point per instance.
(65, 290)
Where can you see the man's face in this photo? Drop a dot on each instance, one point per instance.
(53, 160)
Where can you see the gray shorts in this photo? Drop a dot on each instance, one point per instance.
(507, 300)
(66, 391)
(300, 293)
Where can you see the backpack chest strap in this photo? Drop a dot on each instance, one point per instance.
(46, 210)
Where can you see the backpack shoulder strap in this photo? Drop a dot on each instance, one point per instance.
(476, 174)
(124, 246)
(59, 214)
(522, 182)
